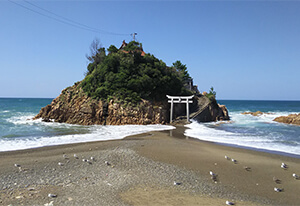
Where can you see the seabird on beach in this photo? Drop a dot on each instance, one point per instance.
(65, 156)
(229, 203)
(276, 189)
(17, 165)
(76, 157)
(61, 164)
(284, 166)
(84, 160)
(52, 195)
(93, 158)
(177, 183)
(226, 157)
(213, 176)
(234, 161)
(295, 176)
(107, 163)
(247, 168)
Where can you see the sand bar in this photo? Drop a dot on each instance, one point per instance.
(142, 169)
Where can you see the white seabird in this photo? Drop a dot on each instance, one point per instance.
(276, 189)
(61, 164)
(76, 157)
(177, 183)
(17, 165)
(212, 174)
(226, 157)
(234, 161)
(295, 176)
(52, 195)
(284, 166)
(229, 203)
(107, 163)
(93, 158)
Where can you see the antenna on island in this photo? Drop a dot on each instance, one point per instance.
(133, 36)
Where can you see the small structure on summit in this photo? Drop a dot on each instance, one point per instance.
(138, 46)
(124, 44)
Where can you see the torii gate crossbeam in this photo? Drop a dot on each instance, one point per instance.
(180, 99)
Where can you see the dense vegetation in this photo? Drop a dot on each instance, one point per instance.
(127, 75)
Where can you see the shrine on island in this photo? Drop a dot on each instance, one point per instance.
(183, 100)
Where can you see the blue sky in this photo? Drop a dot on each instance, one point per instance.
(244, 49)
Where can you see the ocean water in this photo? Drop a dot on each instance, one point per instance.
(18, 131)
(259, 132)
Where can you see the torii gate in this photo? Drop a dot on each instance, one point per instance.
(180, 99)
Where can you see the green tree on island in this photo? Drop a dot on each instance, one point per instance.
(131, 75)
(212, 92)
(181, 70)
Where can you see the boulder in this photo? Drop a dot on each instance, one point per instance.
(257, 113)
(223, 112)
(290, 119)
(208, 110)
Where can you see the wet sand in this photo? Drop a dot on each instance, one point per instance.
(141, 170)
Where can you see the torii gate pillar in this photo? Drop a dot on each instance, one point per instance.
(180, 99)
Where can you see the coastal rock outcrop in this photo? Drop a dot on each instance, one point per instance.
(208, 110)
(257, 113)
(290, 119)
(73, 106)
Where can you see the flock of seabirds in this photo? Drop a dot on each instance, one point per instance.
(278, 181)
(213, 175)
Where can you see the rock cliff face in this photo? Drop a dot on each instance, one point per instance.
(290, 119)
(208, 110)
(73, 106)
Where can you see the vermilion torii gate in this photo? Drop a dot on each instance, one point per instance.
(180, 99)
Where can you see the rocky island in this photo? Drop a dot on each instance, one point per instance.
(128, 86)
(290, 119)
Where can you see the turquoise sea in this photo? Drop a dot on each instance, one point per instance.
(253, 132)
(18, 130)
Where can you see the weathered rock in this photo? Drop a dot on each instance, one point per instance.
(224, 115)
(290, 119)
(46, 120)
(257, 113)
(73, 106)
(207, 110)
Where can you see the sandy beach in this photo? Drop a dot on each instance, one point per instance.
(156, 168)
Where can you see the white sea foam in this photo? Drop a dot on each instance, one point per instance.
(97, 133)
(272, 141)
(4, 111)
